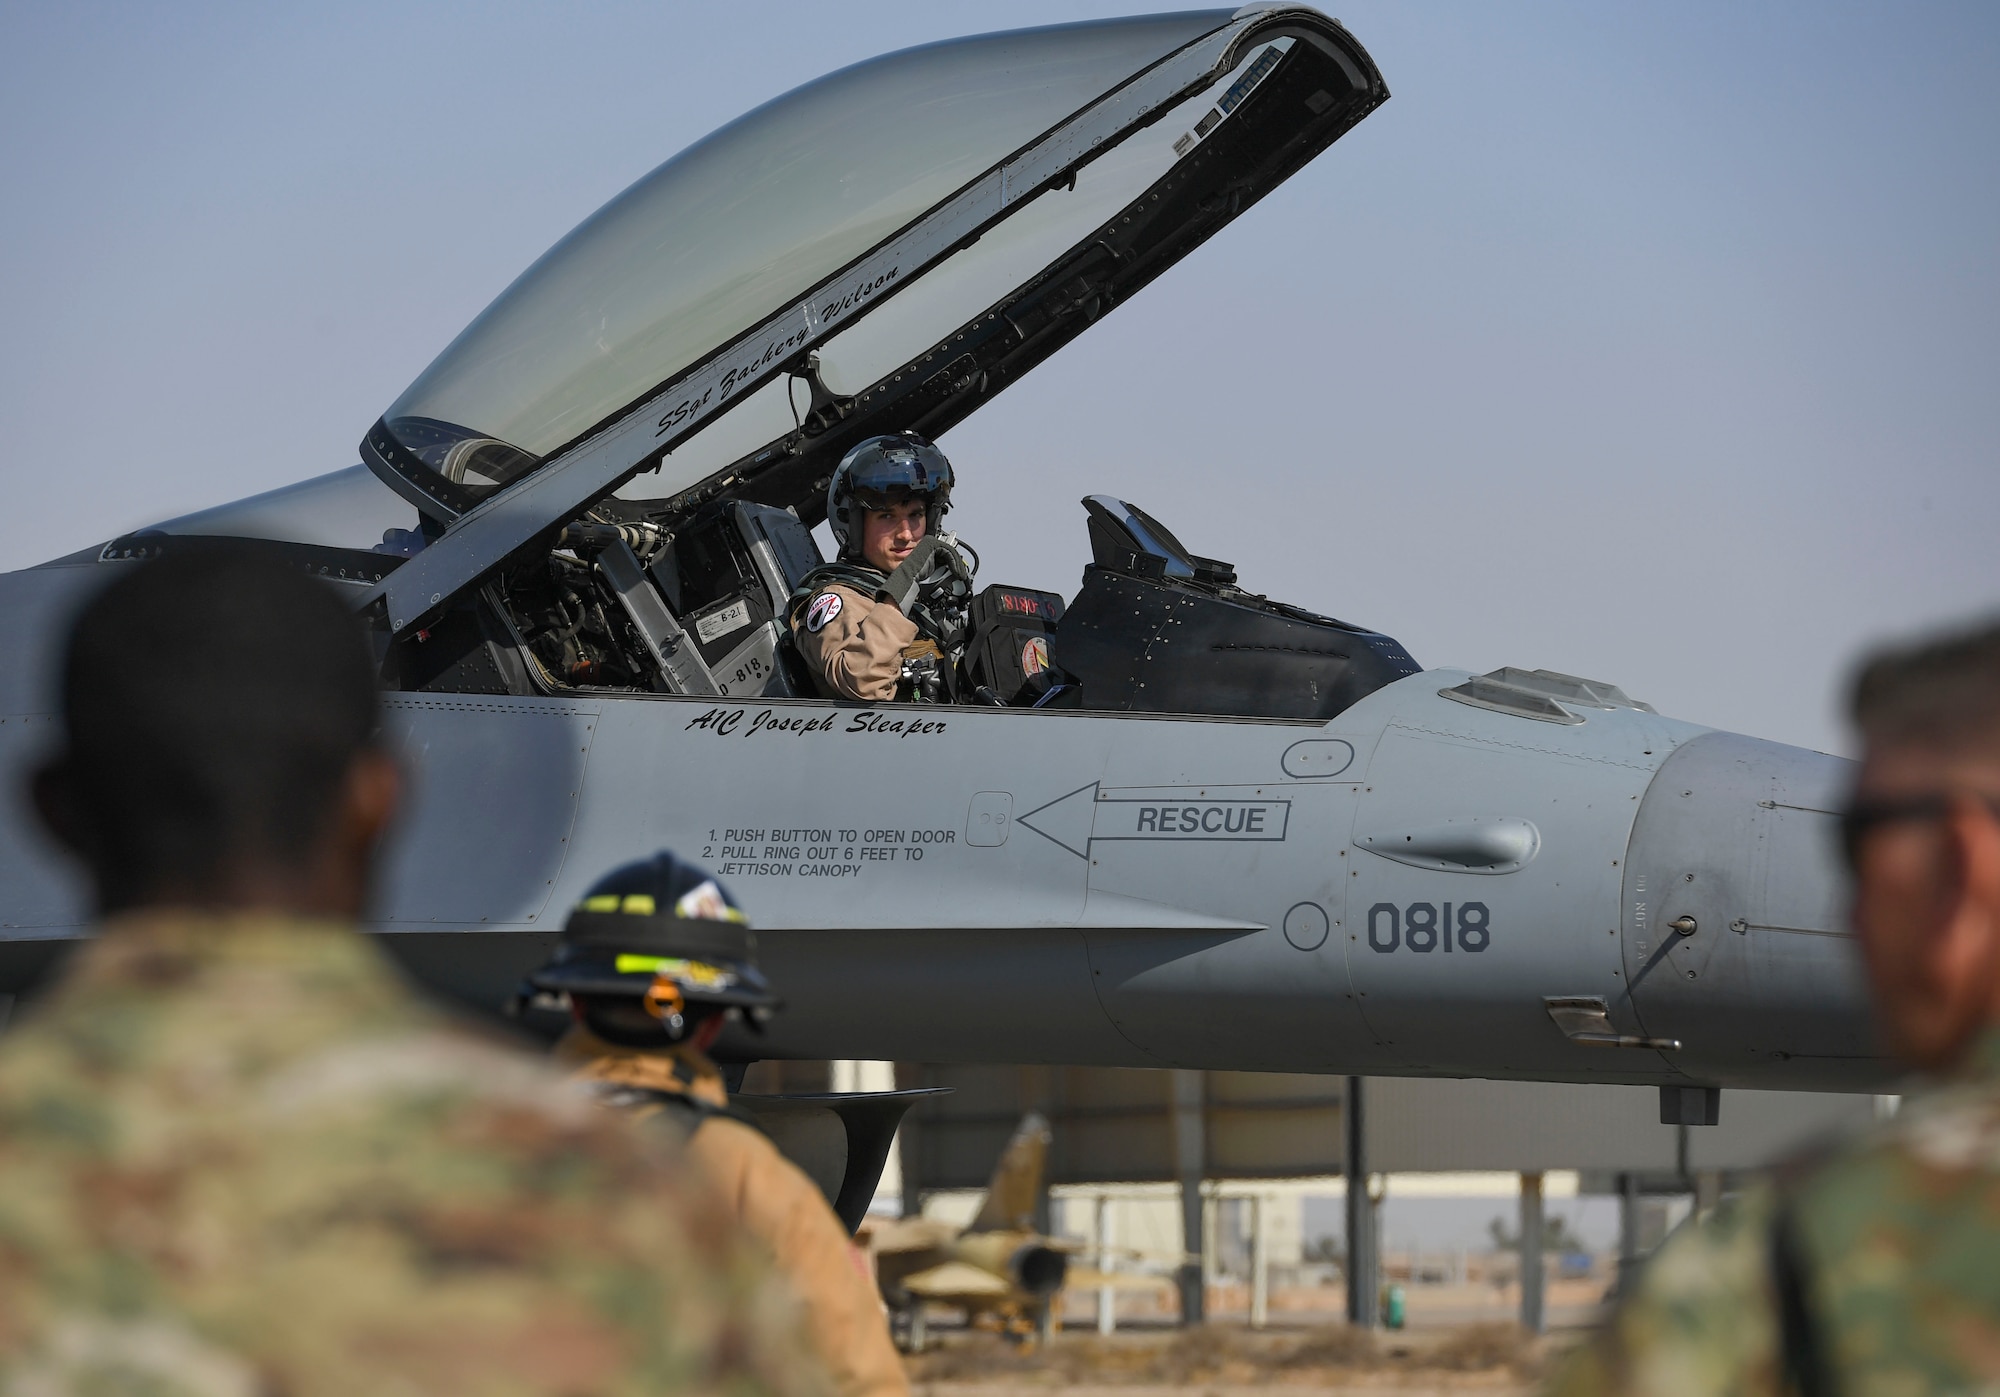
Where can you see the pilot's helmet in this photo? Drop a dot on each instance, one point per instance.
(883, 470)
(654, 949)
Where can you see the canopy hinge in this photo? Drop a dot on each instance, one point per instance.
(825, 409)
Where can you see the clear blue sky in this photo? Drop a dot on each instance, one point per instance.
(1657, 344)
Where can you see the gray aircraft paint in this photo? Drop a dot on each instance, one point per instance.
(1402, 889)
(996, 885)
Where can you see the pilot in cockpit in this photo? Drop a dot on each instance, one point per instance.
(887, 620)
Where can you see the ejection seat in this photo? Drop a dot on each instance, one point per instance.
(726, 578)
(700, 614)
(1157, 629)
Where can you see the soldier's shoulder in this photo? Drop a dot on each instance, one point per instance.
(1939, 1156)
(445, 1098)
(1713, 1273)
(1700, 1317)
(730, 1147)
(1889, 1231)
(1900, 1230)
(830, 604)
(394, 1188)
(850, 579)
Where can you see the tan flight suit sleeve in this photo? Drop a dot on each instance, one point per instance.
(857, 652)
(785, 1210)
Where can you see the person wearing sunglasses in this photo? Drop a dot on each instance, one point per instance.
(1873, 1267)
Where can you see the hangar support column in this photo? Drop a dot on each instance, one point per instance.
(1190, 1162)
(1107, 1296)
(1260, 1264)
(1628, 1229)
(1534, 1278)
(1361, 1273)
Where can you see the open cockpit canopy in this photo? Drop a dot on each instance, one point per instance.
(884, 248)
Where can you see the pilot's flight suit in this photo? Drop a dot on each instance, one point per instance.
(769, 1195)
(853, 642)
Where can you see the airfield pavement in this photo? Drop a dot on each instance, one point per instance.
(1224, 1359)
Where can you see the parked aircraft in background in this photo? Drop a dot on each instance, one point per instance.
(999, 1265)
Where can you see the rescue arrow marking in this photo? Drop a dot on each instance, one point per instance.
(1066, 820)
(1087, 814)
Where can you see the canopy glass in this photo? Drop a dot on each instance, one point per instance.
(737, 225)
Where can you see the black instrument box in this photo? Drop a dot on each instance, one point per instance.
(1009, 647)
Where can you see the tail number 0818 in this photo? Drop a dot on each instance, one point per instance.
(1421, 927)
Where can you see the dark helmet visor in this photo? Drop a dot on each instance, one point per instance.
(904, 470)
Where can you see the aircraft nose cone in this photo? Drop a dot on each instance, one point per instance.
(1736, 937)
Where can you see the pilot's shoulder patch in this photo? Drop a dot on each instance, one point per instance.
(822, 609)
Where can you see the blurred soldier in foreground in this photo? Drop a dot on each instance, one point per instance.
(237, 1156)
(654, 962)
(1877, 1269)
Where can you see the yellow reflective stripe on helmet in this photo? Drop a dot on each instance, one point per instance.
(697, 973)
(634, 904)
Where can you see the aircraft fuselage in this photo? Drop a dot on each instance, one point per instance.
(1399, 891)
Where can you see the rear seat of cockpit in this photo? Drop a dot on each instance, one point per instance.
(727, 577)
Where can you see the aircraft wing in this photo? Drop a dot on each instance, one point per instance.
(957, 1280)
(1116, 1280)
(910, 1234)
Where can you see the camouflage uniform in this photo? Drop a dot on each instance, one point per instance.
(237, 1156)
(1876, 1270)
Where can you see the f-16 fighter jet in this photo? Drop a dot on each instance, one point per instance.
(1170, 822)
